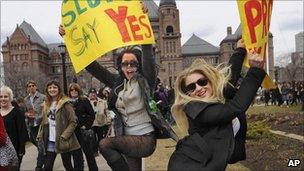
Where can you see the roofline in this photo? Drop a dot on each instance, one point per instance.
(198, 54)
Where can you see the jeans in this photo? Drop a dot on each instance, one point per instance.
(87, 150)
(66, 160)
(33, 135)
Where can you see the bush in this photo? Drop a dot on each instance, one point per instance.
(257, 130)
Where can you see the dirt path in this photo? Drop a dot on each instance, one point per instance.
(294, 136)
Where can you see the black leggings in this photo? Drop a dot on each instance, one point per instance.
(133, 148)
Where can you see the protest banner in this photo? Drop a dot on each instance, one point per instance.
(255, 18)
(94, 28)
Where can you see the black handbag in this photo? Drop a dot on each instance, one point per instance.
(87, 135)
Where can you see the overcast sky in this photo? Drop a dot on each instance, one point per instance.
(206, 19)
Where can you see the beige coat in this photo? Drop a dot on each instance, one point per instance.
(66, 122)
(102, 116)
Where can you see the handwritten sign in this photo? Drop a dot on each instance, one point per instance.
(255, 19)
(95, 27)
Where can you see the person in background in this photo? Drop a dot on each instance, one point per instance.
(102, 118)
(2, 132)
(56, 131)
(266, 96)
(86, 116)
(33, 111)
(14, 121)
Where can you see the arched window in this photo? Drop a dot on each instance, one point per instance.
(169, 29)
(25, 66)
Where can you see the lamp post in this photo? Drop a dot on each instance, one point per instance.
(62, 49)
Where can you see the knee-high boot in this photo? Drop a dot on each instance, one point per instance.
(119, 165)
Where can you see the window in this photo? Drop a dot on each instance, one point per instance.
(25, 66)
(167, 47)
(169, 67)
(169, 30)
(174, 67)
(174, 49)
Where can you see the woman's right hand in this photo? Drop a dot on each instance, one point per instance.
(255, 60)
(240, 43)
(61, 30)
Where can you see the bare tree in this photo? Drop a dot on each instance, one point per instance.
(283, 59)
(16, 78)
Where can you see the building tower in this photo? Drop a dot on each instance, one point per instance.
(169, 42)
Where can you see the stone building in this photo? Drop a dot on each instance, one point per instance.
(294, 71)
(196, 48)
(25, 56)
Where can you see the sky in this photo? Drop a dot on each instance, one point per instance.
(206, 19)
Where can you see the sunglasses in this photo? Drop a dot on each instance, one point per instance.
(73, 90)
(191, 87)
(133, 64)
(31, 86)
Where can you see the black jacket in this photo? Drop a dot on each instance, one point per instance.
(236, 61)
(84, 112)
(210, 143)
(147, 82)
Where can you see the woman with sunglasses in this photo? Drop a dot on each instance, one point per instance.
(85, 118)
(136, 126)
(200, 108)
(56, 131)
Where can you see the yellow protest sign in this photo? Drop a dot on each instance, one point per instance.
(94, 28)
(255, 18)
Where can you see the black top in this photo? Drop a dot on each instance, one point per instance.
(16, 129)
(84, 112)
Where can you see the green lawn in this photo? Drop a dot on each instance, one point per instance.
(273, 109)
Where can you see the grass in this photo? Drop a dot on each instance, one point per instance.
(273, 109)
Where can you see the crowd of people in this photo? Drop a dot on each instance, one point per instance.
(55, 123)
(285, 94)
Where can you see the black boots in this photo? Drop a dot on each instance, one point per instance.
(119, 165)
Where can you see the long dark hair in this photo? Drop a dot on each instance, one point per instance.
(77, 88)
(133, 50)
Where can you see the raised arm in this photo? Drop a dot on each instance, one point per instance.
(149, 66)
(213, 114)
(102, 74)
(236, 63)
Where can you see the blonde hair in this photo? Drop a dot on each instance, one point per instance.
(9, 91)
(218, 78)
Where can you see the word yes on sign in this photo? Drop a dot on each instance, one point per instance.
(95, 27)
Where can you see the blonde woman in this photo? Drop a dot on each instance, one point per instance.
(200, 109)
(57, 129)
(14, 122)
